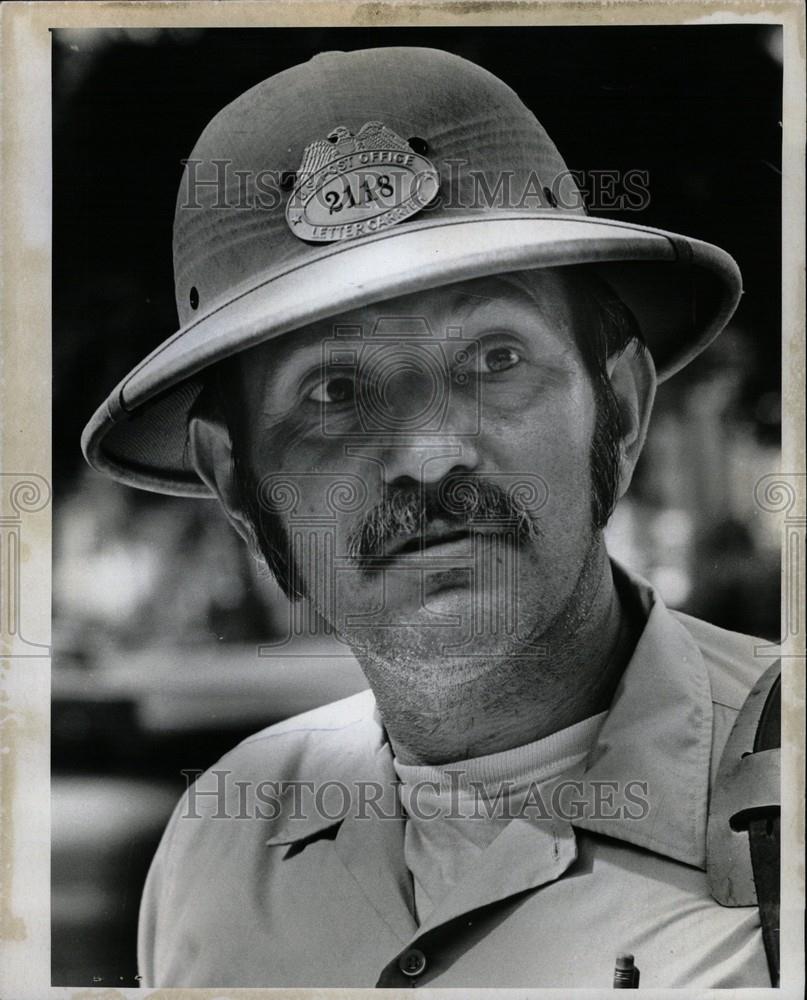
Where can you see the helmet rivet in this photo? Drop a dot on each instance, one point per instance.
(419, 146)
(194, 297)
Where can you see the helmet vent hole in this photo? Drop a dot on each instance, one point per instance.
(418, 145)
(194, 297)
(550, 197)
(287, 180)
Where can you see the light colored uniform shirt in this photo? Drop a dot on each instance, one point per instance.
(246, 890)
(456, 811)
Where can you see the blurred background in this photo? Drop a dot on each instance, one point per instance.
(153, 676)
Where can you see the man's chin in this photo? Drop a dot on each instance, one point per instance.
(447, 631)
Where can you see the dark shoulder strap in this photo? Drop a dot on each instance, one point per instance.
(742, 849)
(764, 836)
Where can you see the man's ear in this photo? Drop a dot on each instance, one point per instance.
(211, 452)
(633, 378)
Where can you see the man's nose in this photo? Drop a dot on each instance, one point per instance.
(432, 430)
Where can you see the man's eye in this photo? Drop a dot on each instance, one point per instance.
(334, 389)
(499, 359)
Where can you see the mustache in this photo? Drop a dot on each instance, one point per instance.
(457, 502)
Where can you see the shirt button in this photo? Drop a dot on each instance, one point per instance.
(412, 962)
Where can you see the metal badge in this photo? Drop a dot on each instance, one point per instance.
(355, 185)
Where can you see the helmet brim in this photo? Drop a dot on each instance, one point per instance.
(681, 290)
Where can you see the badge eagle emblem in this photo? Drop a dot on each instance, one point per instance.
(355, 185)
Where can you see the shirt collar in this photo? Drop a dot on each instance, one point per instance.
(347, 747)
(658, 731)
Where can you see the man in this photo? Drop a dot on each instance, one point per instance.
(417, 377)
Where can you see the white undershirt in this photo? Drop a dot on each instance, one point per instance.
(453, 812)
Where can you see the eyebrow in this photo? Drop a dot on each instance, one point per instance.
(291, 352)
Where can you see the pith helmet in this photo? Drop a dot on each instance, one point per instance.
(358, 177)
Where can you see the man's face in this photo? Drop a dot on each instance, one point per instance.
(429, 458)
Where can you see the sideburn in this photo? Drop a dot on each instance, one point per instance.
(270, 532)
(605, 453)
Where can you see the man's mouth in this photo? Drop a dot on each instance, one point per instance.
(425, 541)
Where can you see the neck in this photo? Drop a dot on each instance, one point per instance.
(516, 700)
